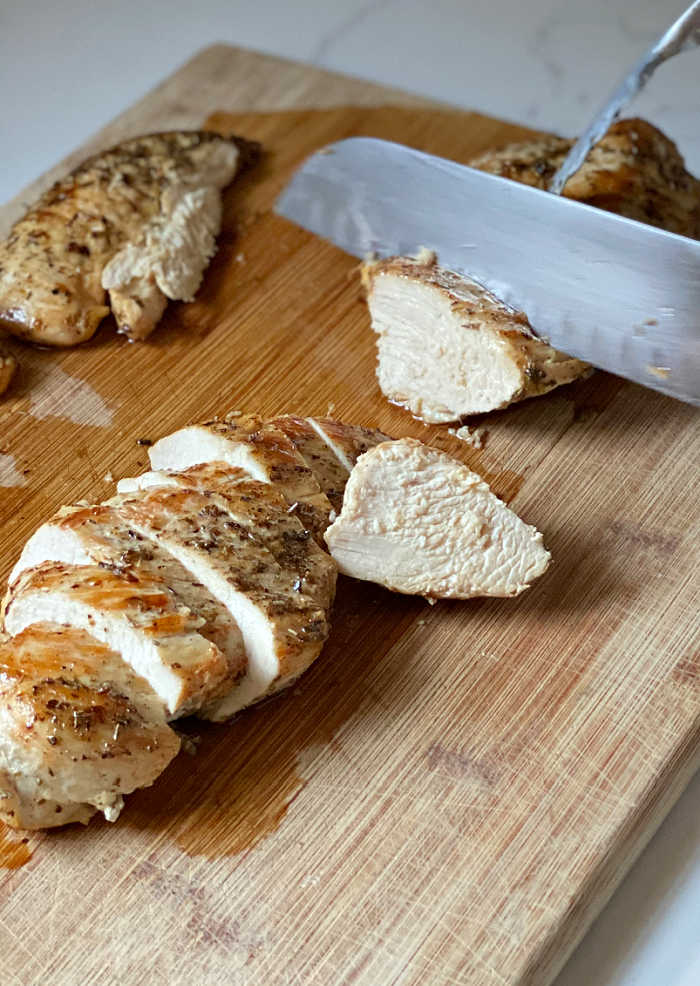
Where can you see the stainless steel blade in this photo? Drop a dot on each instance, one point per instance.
(623, 295)
(682, 35)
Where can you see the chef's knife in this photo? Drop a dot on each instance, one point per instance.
(618, 293)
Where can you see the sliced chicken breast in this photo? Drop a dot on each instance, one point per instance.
(97, 535)
(78, 729)
(264, 513)
(8, 365)
(131, 612)
(283, 627)
(138, 221)
(245, 441)
(219, 471)
(419, 522)
(347, 442)
(448, 348)
(330, 472)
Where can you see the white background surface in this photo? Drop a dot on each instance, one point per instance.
(68, 66)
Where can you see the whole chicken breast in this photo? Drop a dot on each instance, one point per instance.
(634, 171)
(137, 222)
(78, 729)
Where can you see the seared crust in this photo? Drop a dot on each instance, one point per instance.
(52, 262)
(78, 729)
(634, 171)
(8, 365)
(111, 601)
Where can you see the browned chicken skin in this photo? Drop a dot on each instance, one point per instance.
(137, 220)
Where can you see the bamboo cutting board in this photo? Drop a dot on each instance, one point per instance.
(451, 794)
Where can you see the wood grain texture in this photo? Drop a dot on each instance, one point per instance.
(452, 793)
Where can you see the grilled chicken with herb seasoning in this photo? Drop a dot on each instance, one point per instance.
(278, 593)
(98, 535)
(268, 454)
(201, 588)
(131, 612)
(78, 729)
(448, 348)
(137, 223)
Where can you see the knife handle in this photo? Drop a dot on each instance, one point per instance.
(682, 35)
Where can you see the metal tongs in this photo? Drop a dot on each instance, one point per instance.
(682, 35)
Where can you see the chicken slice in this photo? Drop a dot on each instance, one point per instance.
(97, 535)
(132, 612)
(138, 221)
(330, 472)
(264, 513)
(8, 365)
(283, 627)
(347, 442)
(78, 729)
(245, 441)
(219, 472)
(419, 522)
(447, 347)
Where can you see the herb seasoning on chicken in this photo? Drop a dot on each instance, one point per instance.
(204, 587)
(138, 221)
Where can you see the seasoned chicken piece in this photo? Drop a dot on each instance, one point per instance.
(8, 365)
(419, 522)
(329, 471)
(284, 624)
(134, 614)
(264, 513)
(635, 171)
(245, 441)
(78, 729)
(138, 221)
(347, 442)
(218, 472)
(447, 347)
(97, 535)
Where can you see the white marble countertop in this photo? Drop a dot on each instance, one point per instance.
(67, 67)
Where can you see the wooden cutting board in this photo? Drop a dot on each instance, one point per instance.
(452, 793)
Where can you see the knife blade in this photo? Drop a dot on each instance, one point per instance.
(620, 294)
